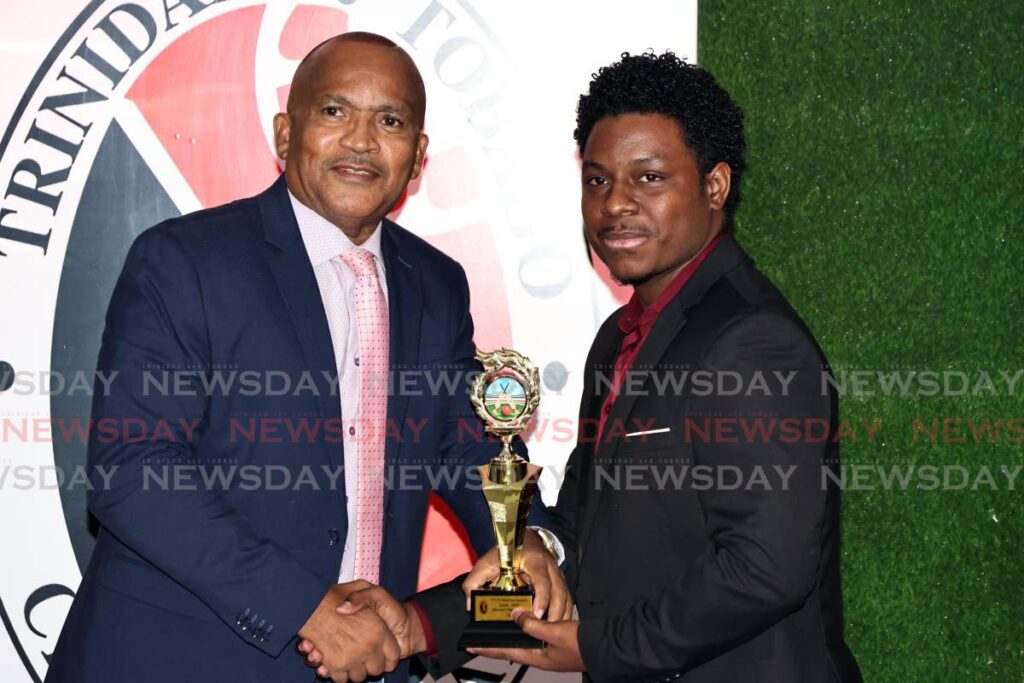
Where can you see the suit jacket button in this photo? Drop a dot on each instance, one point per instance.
(333, 537)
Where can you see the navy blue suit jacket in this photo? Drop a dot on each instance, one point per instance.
(193, 582)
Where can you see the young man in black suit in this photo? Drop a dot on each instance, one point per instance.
(701, 535)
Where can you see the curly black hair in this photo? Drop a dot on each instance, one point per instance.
(711, 122)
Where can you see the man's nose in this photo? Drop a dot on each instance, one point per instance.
(619, 201)
(361, 135)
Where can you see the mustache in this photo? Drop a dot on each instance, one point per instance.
(623, 229)
(354, 160)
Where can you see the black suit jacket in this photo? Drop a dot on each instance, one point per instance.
(707, 549)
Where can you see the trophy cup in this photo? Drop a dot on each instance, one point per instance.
(505, 396)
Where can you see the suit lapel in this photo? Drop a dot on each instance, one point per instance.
(297, 284)
(296, 281)
(405, 306)
(666, 328)
(669, 325)
(599, 365)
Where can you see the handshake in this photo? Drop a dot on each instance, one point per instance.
(359, 630)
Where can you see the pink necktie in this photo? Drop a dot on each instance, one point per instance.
(372, 329)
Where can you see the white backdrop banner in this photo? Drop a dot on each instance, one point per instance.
(119, 114)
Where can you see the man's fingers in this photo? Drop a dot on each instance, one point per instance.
(492, 652)
(561, 599)
(531, 625)
(350, 606)
(351, 587)
(556, 610)
(372, 596)
(376, 664)
(520, 656)
(392, 651)
(484, 571)
(541, 593)
(569, 608)
(478, 578)
(375, 667)
(357, 673)
(559, 596)
(310, 654)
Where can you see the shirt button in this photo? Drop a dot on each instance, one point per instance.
(357, 360)
(352, 431)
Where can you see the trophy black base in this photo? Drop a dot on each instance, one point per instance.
(491, 622)
(497, 634)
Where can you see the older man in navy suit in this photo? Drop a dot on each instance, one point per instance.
(206, 575)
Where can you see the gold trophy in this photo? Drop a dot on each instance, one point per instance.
(505, 396)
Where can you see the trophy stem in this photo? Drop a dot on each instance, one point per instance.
(510, 579)
(509, 485)
(507, 468)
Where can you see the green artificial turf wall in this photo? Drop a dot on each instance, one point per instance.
(884, 197)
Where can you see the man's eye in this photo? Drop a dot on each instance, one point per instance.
(392, 121)
(596, 180)
(650, 178)
(332, 111)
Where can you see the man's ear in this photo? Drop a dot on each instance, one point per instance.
(717, 183)
(282, 133)
(421, 154)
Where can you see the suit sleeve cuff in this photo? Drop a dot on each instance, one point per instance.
(552, 543)
(444, 607)
(428, 630)
(305, 592)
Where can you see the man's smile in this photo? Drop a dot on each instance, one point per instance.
(356, 172)
(623, 240)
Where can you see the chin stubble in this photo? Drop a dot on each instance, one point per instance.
(639, 280)
(635, 281)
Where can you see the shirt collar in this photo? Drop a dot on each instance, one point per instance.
(636, 315)
(324, 240)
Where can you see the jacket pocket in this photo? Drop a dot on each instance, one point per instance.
(650, 438)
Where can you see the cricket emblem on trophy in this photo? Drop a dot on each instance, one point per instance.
(505, 396)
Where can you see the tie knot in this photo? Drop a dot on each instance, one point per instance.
(360, 261)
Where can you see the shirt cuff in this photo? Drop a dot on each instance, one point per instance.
(552, 543)
(428, 630)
